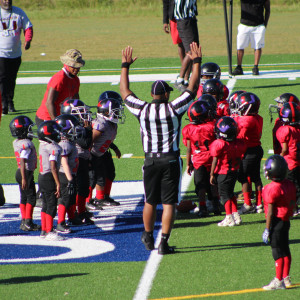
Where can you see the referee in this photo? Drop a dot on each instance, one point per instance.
(160, 124)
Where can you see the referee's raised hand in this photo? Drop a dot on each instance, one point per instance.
(127, 55)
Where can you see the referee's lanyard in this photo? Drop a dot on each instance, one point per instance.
(6, 33)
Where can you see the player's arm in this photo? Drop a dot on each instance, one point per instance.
(189, 163)
(284, 149)
(267, 11)
(96, 134)
(212, 170)
(54, 172)
(116, 150)
(127, 60)
(269, 216)
(51, 98)
(23, 174)
(66, 167)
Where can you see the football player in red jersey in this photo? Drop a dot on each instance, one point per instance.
(197, 137)
(279, 202)
(227, 152)
(250, 125)
(289, 137)
(283, 98)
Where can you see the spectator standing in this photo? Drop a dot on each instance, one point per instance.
(62, 86)
(254, 20)
(160, 124)
(185, 12)
(13, 21)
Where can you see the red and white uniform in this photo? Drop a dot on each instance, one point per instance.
(283, 196)
(24, 148)
(290, 135)
(250, 129)
(201, 137)
(229, 155)
(66, 86)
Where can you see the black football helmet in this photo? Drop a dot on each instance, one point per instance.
(276, 168)
(71, 127)
(198, 112)
(20, 127)
(214, 87)
(232, 100)
(76, 108)
(112, 110)
(289, 114)
(226, 129)
(49, 131)
(248, 104)
(212, 104)
(210, 69)
(110, 95)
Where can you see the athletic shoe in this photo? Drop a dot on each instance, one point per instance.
(107, 201)
(180, 86)
(92, 206)
(287, 281)
(255, 71)
(30, 226)
(247, 209)
(164, 248)
(259, 209)
(86, 219)
(75, 221)
(43, 234)
(63, 228)
(53, 236)
(275, 284)
(11, 107)
(237, 218)
(227, 222)
(22, 224)
(148, 240)
(203, 213)
(238, 71)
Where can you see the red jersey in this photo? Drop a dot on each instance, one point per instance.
(250, 129)
(276, 144)
(201, 136)
(229, 155)
(223, 109)
(66, 86)
(283, 197)
(290, 135)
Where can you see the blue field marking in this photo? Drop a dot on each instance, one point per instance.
(115, 237)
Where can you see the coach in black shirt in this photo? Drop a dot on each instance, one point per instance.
(160, 127)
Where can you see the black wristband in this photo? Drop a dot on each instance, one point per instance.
(197, 60)
(125, 65)
(113, 146)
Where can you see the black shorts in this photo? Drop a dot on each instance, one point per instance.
(226, 183)
(188, 32)
(161, 178)
(250, 165)
(279, 238)
(201, 179)
(29, 195)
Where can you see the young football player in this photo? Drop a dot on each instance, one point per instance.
(197, 137)
(67, 172)
(279, 202)
(250, 125)
(109, 113)
(227, 152)
(288, 136)
(81, 111)
(216, 88)
(25, 153)
(49, 134)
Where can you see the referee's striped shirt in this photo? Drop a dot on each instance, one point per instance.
(185, 9)
(160, 122)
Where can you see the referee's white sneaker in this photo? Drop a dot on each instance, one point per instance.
(275, 284)
(227, 222)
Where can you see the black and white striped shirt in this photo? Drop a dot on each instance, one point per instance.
(185, 9)
(160, 122)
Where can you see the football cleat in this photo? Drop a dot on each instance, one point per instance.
(287, 281)
(259, 209)
(30, 226)
(227, 222)
(247, 209)
(53, 236)
(237, 218)
(275, 284)
(63, 228)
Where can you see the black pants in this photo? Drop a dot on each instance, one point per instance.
(82, 177)
(65, 199)
(9, 68)
(29, 195)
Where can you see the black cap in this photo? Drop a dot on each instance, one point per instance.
(159, 87)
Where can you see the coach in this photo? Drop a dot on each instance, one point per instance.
(13, 20)
(160, 123)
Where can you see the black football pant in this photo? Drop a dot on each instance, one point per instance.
(29, 195)
(9, 68)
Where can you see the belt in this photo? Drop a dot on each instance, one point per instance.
(162, 155)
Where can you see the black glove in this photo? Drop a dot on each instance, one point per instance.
(71, 187)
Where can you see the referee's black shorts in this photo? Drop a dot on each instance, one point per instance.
(161, 178)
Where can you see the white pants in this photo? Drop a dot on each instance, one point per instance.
(247, 34)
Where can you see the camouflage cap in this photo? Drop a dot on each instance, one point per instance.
(72, 58)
